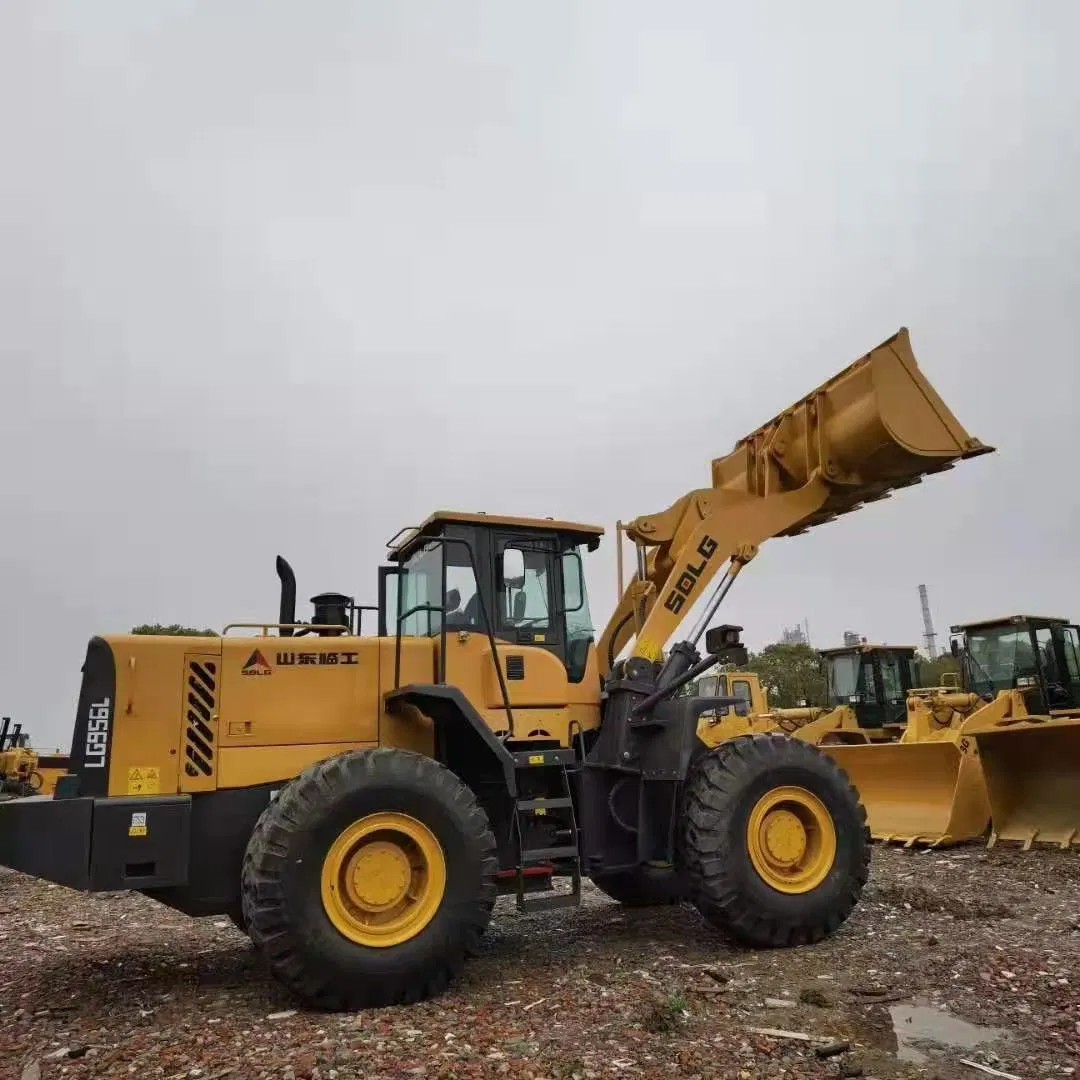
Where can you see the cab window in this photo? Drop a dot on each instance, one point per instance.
(524, 602)
(580, 632)
(420, 590)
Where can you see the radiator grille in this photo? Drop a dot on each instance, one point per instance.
(201, 706)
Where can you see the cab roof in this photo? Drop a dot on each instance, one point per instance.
(407, 540)
(1007, 620)
(865, 647)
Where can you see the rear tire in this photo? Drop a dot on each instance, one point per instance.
(324, 913)
(749, 806)
(645, 886)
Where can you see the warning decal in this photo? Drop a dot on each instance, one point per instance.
(138, 825)
(144, 780)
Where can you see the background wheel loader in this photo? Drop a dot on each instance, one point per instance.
(1002, 753)
(867, 687)
(358, 803)
(23, 770)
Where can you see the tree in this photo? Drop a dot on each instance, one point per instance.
(172, 630)
(929, 672)
(790, 674)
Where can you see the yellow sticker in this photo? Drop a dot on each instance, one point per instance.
(137, 830)
(536, 759)
(648, 649)
(138, 825)
(538, 637)
(144, 780)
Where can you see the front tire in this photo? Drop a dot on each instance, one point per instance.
(775, 841)
(369, 879)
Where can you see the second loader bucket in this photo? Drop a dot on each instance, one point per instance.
(918, 792)
(1033, 780)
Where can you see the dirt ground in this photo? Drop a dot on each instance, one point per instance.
(117, 986)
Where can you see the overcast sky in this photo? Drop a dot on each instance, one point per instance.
(281, 277)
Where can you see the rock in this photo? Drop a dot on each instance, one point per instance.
(31, 1070)
(811, 995)
(832, 1049)
(778, 1003)
(282, 1015)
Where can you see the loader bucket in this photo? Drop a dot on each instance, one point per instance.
(1033, 781)
(918, 792)
(876, 426)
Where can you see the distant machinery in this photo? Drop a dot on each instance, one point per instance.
(929, 637)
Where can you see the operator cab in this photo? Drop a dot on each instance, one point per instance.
(872, 679)
(516, 580)
(1037, 654)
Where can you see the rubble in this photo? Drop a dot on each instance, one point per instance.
(137, 990)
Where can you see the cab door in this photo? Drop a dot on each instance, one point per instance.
(530, 634)
(526, 607)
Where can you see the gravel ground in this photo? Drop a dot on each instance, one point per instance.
(117, 986)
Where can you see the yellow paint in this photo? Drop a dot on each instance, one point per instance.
(383, 879)
(648, 649)
(149, 708)
(246, 766)
(144, 780)
(791, 839)
(304, 698)
(409, 730)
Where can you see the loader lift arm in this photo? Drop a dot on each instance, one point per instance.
(875, 427)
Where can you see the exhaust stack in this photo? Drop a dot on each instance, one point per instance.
(287, 608)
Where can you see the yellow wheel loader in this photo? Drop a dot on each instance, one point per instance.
(23, 770)
(867, 688)
(357, 803)
(1001, 754)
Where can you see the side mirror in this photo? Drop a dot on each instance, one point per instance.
(513, 567)
(954, 647)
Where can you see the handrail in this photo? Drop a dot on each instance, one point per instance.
(265, 627)
(397, 645)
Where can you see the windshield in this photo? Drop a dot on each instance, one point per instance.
(847, 679)
(997, 656)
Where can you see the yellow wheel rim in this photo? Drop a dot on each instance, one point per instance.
(383, 879)
(791, 840)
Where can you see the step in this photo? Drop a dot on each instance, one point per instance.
(535, 855)
(548, 902)
(561, 802)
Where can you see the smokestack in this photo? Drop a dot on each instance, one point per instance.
(929, 637)
(287, 608)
